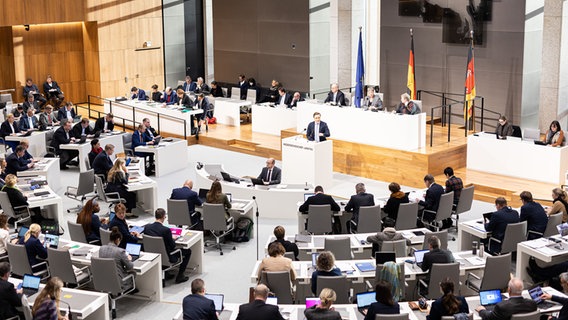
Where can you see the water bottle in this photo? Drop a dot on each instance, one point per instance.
(481, 249)
(474, 247)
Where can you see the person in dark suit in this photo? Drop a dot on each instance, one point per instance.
(10, 298)
(498, 223)
(385, 303)
(28, 121)
(243, 85)
(435, 255)
(504, 128)
(15, 161)
(183, 99)
(186, 193)
(188, 85)
(280, 233)
(149, 130)
(157, 229)
(514, 305)
(27, 157)
(360, 199)
(284, 99)
(258, 309)
(533, 213)
(63, 136)
(432, 199)
(9, 128)
(82, 129)
(138, 93)
(30, 103)
(67, 113)
(335, 96)
(201, 86)
(295, 99)
(156, 95)
(196, 306)
(318, 199)
(216, 90)
(170, 97)
(102, 162)
(202, 103)
(270, 174)
(317, 130)
(105, 124)
(34, 248)
(53, 92)
(563, 314)
(31, 88)
(140, 138)
(448, 304)
(407, 106)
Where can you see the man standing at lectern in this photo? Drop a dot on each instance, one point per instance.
(317, 129)
(270, 174)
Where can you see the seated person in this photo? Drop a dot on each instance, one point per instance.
(31, 88)
(454, 184)
(46, 304)
(360, 199)
(53, 92)
(9, 128)
(259, 309)
(283, 99)
(9, 296)
(202, 103)
(335, 96)
(216, 196)
(243, 84)
(319, 198)
(186, 193)
(389, 233)
(554, 136)
(216, 90)
(297, 97)
(324, 309)
(504, 128)
(18, 111)
(91, 222)
(140, 138)
(34, 248)
(196, 306)
(201, 86)
(280, 233)
(30, 104)
(95, 150)
(560, 299)
(157, 229)
(169, 98)
(559, 204)
(448, 304)
(385, 303)
(122, 259)
(4, 238)
(325, 266)
(63, 136)
(432, 198)
(156, 95)
(15, 162)
(47, 118)
(276, 262)
(67, 113)
(514, 305)
(105, 124)
(119, 221)
(272, 94)
(117, 180)
(188, 85)
(372, 101)
(138, 94)
(82, 129)
(28, 158)
(533, 213)
(435, 255)
(270, 174)
(393, 203)
(102, 162)
(16, 197)
(29, 121)
(498, 223)
(407, 106)
(183, 99)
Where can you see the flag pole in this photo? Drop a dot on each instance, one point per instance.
(473, 100)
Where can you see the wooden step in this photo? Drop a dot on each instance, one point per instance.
(500, 192)
(434, 120)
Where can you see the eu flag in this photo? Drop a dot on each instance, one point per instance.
(360, 74)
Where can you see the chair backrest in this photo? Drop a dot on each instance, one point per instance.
(60, 265)
(497, 272)
(319, 219)
(369, 219)
(279, 283)
(19, 259)
(26, 308)
(469, 317)
(178, 213)
(466, 199)
(340, 247)
(105, 275)
(235, 93)
(6, 205)
(251, 95)
(442, 235)
(86, 182)
(76, 232)
(156, 245)
(406, 217)
(387, 273)
(517, 131)
(514, 233)
(535, 315)
(441, 271)
(214, 217)
(100, 189)
(445, 206)
(105, 236)
(339, 284)
(127, 140)
(398, 246)
(402, 316)
(49, 137)
(553, 221)
(290, 255)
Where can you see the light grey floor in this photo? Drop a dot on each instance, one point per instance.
(230, 273)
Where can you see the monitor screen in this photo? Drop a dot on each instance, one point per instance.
(365, 299)
(489, 297)
(535, 293)
(31, 281)
(133, 249)
(419, 255)
(176, 231)
(307, 195)
(217, 299)
(312, 302)
(272, 300)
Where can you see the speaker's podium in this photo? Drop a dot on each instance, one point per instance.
(307, 161)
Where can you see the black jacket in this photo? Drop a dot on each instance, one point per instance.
(362, 199)
(100, 124)
(102, 163)
(258, 310)
(432, 198)
(59, 138)
(197, 307)
(9, 300)
(505, 309)
(319, 199)
(157, 229)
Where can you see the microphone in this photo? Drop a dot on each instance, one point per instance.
(254, 198)
(69, 315)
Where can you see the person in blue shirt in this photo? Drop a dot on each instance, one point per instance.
(325, 266)
(91, 222)
(138, 93)
(533, 213)
(385, 303)
(34, 248)
(119, 221)
(448, 304)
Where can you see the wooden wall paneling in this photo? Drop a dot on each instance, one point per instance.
(91, 58)
(7, 67)
(20, 12)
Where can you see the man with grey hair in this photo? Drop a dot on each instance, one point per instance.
(201, 86)
(514, 305)
(360, 199)
(258, 309)
(562, 300)
(335, 96)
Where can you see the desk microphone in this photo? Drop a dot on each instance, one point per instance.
(69, 315)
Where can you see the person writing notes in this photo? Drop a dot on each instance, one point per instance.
(317, 129)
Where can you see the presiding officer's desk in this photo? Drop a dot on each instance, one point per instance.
(86, 305)
(274, 201)
(114, 138)
(548, 252)
(170, 155)
(366, 127)
(272, 119)
(516, 158)
(148, 268)
(172, 119)
(469, 231)
(47, 167)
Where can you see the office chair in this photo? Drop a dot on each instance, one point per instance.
(106, 279)
(369, 220)
(60, 265)
(319, 219)
(21, 265)
(77, 234)
(535, 315)
(105, 236)
(553, 221)
(438, 272)
(406, 217)
(280, 284)
(19, 213)
(85, 186)
(214, 220)
(464, 203)
(339, 284)
(496, 274)
(444, 211)
(514, 233)
(156, 245)
(340, 247)
(397, 246)
(178, 213)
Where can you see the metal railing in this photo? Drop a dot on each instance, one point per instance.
(349, 89)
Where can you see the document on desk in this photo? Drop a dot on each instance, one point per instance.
(344, 266)
(548, 250)
(476, 224)
(476, 261)
(148, 256)
(538, 243)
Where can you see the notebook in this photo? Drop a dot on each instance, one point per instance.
(307, 195)
(535, 294)
(218, 299)
(384, 256)
(364, 300)
(490, 297)
(30, 284)
(419, 256)
(133, 250)
(51, 241)
(312, 302)
(365, 266)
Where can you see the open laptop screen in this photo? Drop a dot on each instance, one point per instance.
(489, 297)
(217, 299)
(364, 299)
(133, 249)
(384, 256)
(312, 302)
(419, 255)
(307, 195)
(31, 282)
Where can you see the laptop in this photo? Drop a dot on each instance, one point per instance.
(217, 300)
(384, 256)
(256, 181)
(157, 140)
(133, 250)
(97, 134)
(487, 216)
(419, 256)
(490, 298)
(535, 294)
(229, 196)
(364, 300)
(540, 143)
(30, 284)
(272, 300)
(82, 140)
(307, 195)
(310, 302)
(315, 256)
(28, 133)
(138, 229)
(111, 216)
(51, 241)
(176, 232)
(22, 232)
(203, 194)
(227, 177)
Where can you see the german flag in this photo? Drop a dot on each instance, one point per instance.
(411, 81)
(470, 84)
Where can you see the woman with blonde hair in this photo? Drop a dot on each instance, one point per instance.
(15, 196)
(560, 204)
(323, 310)
(117, 180)
(34, 247)
(46, 305)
